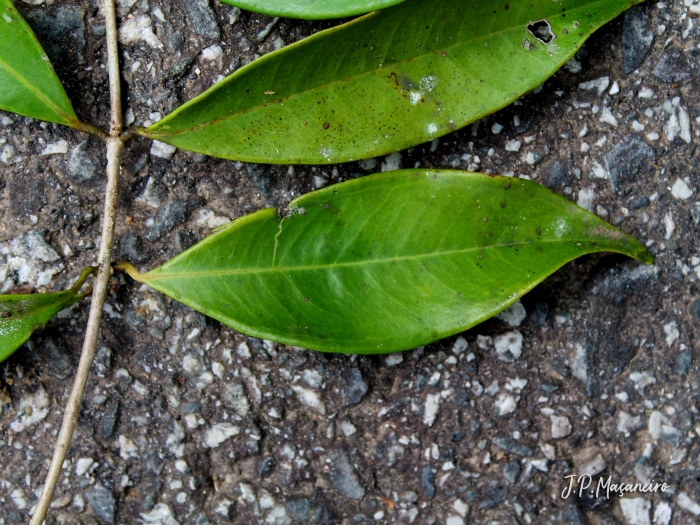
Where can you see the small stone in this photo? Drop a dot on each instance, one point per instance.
(208, 219)
(514, 315)
(131, 247)
(308, 511)
(629, 159)
(312, 378)
(310, 399)
(234, 397)
(219, 433)
(637, 37)
(162, 150)
(212, 53)
(673, 67)
(509, 346)
(85, 163)
(127, 448)
(454, 520)
(460, 346)
(662, 513)
(428, 482)
(600, 84)
(589, 461)
(347, 428)
(354, 389)
(432, 407)
(554, 175)
(607, 117)
(512, 446)
(532, 158)
(168, 217)
(561, 426)
(139, 29)
(511, 471)
(672, 333)
(202, 19)
(343, 475)
(102, 502)
(393, 359)
(61, 366)
(83, 465)
(635, 511)
(681, 190)
(505, 404)
(513, 145)
(33, 407)
(161, 514)
(391, 162)
(109, 421)
(695, 309)
(688, 504)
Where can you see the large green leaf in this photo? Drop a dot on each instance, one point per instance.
(28, 84)
(386, 262)
(312, 9)
(20, 315)
(390, 80)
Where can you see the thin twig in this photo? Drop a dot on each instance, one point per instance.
(101, 284)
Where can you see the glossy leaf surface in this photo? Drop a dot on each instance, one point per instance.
(387, 262)
(28, 84)
(387, 81)
(20, 315)
(312, 9)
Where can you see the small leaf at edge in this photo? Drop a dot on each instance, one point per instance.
(20, 315)
(30, 86)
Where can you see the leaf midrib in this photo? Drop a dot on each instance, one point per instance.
(328, 266)
(157, 133)
(48, 102)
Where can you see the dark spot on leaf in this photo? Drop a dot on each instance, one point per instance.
(326, 125)
(306, 299)
(6, 315)
(542, 31)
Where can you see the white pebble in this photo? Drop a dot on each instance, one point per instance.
(607, 117)
(635, 511)
(57, 148)
(513, 145)
(83, 465)
(561, 426)
(393, 359)
(505, 404)
(310, 399)
(600, 84)
(688, 504)
(460, 346)
(509, 346)
(681, 190)
(212, 53)
(219, 433)
(514, 314)
(432, 407)
(162, 150)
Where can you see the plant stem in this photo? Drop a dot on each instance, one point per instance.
(101, 284)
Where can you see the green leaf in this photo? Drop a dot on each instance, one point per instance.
(387, 262)
(387, 81)
(312, 9)
(20, 315)
(28, 84)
